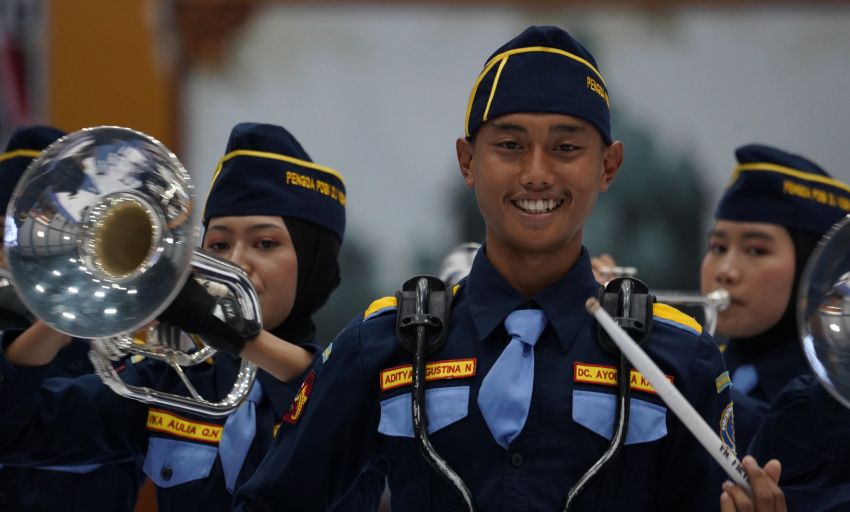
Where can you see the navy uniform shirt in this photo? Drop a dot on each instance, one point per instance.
(78, 487)
(758, 377)
(808, 431)
(81, 421)
(357, 412)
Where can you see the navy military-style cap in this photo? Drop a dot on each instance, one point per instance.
(26, 143)
(541, 70)
(772, 186)
(265, 171)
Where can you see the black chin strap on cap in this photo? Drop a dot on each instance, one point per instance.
(628, 301)
(424, 304)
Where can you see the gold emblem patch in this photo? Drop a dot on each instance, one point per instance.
(297, 408)
(727, 427)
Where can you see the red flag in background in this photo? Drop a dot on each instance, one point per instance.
(20, 27)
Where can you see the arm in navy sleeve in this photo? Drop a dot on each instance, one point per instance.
(315, 461)
(690, 478)
(66, 421)
(807, 430)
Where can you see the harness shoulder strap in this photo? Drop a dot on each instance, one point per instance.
(429, 310)
(629, 303)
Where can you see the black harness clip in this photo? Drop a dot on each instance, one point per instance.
(629, 303)
(423, 301)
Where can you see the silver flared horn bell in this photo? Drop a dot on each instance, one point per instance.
(823, 311)
(99, 238)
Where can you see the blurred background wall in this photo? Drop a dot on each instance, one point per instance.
(379, 91)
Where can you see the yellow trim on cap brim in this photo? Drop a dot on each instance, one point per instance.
(31, 153)
(274, 156)
(515, 51)
(789, 171)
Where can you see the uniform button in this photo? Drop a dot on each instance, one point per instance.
(75, 365)
(165, 473)
(516, 460)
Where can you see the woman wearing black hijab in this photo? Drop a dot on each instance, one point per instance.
(768, 222)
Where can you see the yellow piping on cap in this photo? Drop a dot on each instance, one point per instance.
(273, 156)
(789, 171)
(493, 89)
(32, 153)
(515, 51)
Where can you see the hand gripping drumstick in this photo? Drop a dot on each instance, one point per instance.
(671, 396)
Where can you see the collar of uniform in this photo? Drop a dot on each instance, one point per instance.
(492, 298)
(784, 364)
(279, 393)
(775, 367)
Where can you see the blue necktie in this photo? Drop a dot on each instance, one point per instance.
(505, 394)
(239, 431)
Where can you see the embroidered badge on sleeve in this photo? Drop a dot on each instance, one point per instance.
(300, 401)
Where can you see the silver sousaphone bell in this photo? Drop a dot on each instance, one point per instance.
(99, 239)
(823, 311)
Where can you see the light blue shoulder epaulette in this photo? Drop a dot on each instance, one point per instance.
(672, 316)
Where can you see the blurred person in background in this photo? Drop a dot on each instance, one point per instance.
(76, 487)
(457, 262)
(770, 218)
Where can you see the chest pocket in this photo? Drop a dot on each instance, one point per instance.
(595, 411)
(170, 463)
(443, 406)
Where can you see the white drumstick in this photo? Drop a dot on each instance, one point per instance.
(671, 396)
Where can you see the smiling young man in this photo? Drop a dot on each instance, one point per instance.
(536, 177)
(537, 152)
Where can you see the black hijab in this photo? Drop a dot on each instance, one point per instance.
(317, 250)
(786, 330)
